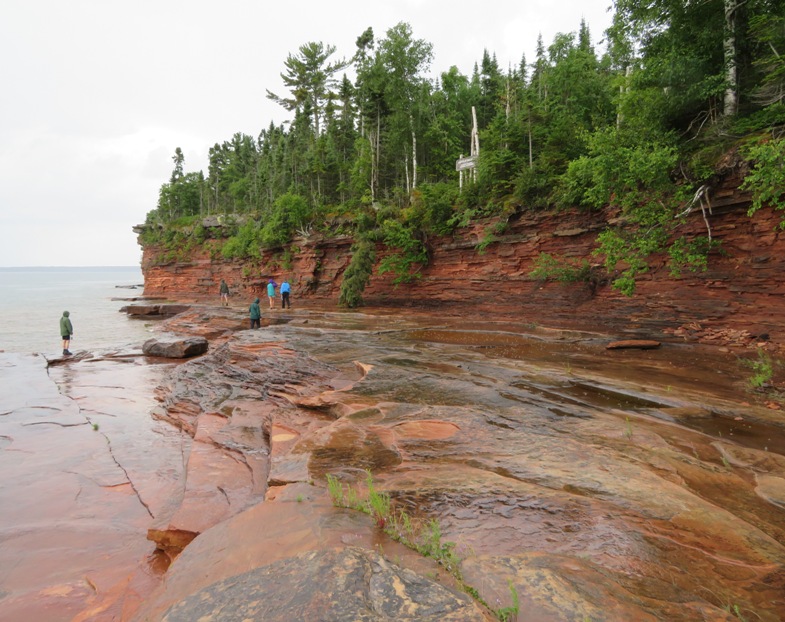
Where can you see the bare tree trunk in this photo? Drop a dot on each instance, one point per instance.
(406, 172)
(378, 154)
(414, 159)
(373, 163)
(731, 101)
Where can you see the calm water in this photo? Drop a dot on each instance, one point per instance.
(33, 299)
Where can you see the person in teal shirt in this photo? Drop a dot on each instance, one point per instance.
(256, 314)
(285, 289)
(271, 293)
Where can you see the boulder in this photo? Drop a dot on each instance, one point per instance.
(175, 348)
(348, 584)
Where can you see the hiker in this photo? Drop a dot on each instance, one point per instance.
(66, 332)
(255, 313)
(285, 288)
(271, 292)
(224, 294)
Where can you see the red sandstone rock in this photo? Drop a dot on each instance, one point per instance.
(743, 286)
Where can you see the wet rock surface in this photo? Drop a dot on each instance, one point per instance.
(84, 469)
(599, 484)
(606, 485)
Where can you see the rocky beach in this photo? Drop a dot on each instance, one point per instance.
(583, 483)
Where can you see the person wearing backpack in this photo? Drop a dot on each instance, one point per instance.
(285, 289)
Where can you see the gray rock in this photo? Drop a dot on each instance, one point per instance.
(175, 348)
(336, 585)
(155, 309)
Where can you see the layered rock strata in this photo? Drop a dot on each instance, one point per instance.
(737, 301)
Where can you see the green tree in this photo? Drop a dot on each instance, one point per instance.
(406, 60)
(310, 79)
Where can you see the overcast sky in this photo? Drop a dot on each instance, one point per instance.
(97, 94)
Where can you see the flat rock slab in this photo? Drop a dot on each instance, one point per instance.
(156, 309)
(349, 584)
(639, 344)
(175, 348)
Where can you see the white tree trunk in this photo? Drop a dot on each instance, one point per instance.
(731, 102)
(373, 165)
(414, 159)
(406, 171)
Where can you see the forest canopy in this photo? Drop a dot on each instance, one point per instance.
(639, 128)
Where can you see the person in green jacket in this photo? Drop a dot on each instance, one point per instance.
(66, 332)
(256, 314)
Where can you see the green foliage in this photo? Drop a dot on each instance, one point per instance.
(432, 206)
(550, 268)
(357, 274)
(488, 239)
(766, 180)
(423, 537)
(335, 488)
(245, 244)
(378, 502)
(289, 213)
(571, 129)
(508, 614)
(765, 119)
(409, 251)
(631, 250)
(762, 369)
(621, 168)
(692, 255)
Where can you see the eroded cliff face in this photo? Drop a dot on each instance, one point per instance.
(736, 301)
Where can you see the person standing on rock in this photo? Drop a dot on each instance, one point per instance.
(66, 332)
(256, 314)
(224, 294)
(271, 293)
(285, 289)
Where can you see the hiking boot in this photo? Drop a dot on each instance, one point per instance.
(67, 352)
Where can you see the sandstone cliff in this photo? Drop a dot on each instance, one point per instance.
(736, 301)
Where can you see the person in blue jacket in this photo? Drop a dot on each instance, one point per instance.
(285, 289)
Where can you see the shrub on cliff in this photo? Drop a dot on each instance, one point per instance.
(408, 251)
(358, 274)
(290, 212)
(245, 243)
(766, 180)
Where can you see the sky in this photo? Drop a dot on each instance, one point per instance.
(97, 95)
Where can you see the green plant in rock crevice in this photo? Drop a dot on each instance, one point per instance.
(425, 539)
(508, 614)
(762, 369)
(628, 429)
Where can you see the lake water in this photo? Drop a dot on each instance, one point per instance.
(33, 300)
